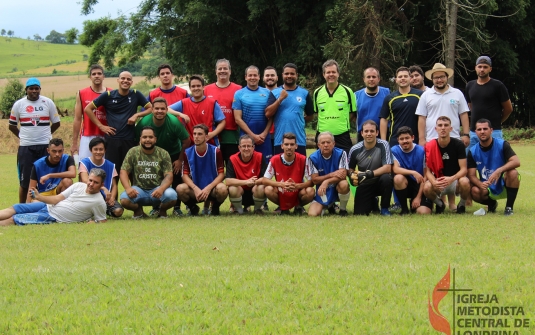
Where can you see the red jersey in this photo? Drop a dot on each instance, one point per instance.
(87, 95)
(282, 173)
(244, 171)
(224, 97)
(199, 112)
(172, 95)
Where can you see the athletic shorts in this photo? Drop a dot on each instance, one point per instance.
(111, 209)
(300, 149)
(451, 189)
(247, 198)
(117, 150)
(32, 213)
(51, 192)
(26, 156)
(413, 188)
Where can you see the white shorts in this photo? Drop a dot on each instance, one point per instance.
(83, 150)
(451, 189)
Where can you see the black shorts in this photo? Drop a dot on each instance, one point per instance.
(247, 198)
(228, 150)
(117, 150)
(26, 156)
(341, 141)
(277, 150)
(413, 187)
(110, 209)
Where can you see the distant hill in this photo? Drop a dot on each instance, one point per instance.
(20, 57)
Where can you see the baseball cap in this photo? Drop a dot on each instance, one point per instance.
(33, 82)
(484, 60)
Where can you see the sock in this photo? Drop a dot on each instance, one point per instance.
(258, 203)
(344, 198)
(438, 202)
(177, 205)
(402, 197)
(462, 202)
(511, 196)
(488, 201)
(237, 203)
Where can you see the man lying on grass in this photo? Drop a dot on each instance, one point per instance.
(80, 202)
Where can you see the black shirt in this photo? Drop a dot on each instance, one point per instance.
(486, 102)
(451, 154)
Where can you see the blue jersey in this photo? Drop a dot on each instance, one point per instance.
(322, 166)
(413, 160)
(369, 107)
(107, 166)
(487, 162)
(202, 169)
(42, 169)
(290, 116)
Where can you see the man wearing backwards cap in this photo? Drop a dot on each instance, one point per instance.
(442, 100)
(35, 113)
(487, 98)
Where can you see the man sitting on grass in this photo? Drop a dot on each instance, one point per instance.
(80, 202)
(52, 174)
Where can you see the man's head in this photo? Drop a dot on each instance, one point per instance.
(223, 70)
(417, 76)
(165, 73)
(95, 180)
(159, 108)
(96, 74)
(252, 77)
(55, 150)
(33, 89)
(147, 138)
(289, 74)
(270, 77)
(326, 143)
(196, 86)
(331, 72)
(405, 138)
(125, 80)
(98, 146)
(246, 146)
(484, 130)
(369, 131)
(439, 74)
(403, 77)
(443, 127)
(483, 67)
(289, 145)
(371, 77)
(200, 132)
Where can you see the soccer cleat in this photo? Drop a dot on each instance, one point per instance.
(177, 212)
(285, 212)
(206, 211)
(331, 209)
(461, 209)
(508, 211)
(215, 211)
(299, 210)
(154, 212)
(493, 206)
(342, 212)
(194, 210)
(385, 212)
(394, 207)
(440, 209)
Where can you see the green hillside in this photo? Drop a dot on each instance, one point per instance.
(20, 57)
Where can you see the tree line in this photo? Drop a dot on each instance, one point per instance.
(386, 34)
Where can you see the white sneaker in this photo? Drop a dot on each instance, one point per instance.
(480, 212)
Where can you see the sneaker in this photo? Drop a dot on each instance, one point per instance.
(493, 206)
(194, 210)
(461, 209)
(336, 206)
(277, 210)
(342, 212)
(394, 207)
(259, 211)
(142, 216)
(508, 211)
(154, 212)
(299, 210)
(178, 212)
(206, 211)
(215, 211)
(440, 209)
(331, 209)
(385, 212)
(284, 212)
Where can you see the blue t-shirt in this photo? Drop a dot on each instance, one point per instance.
(413, 160)
(369, 107)
(322, 167)
(290, 116)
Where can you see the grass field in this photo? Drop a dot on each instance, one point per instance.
(261, 275)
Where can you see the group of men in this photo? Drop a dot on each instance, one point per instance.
(185, 145)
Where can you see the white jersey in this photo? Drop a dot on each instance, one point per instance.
(35, 118)
(78, 205)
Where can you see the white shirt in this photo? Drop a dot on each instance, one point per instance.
(78, 205)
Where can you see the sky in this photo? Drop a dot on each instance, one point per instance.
(30, 18)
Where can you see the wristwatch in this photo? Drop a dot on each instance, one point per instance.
(467, 135)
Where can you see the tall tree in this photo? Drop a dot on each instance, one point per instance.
(10, 33)
(3, 32)
(55, 37)
(71, 35)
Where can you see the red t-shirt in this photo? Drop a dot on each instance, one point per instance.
(87, 95)
(282, 173)
(172, 95)
(199, 112)
(224, 97)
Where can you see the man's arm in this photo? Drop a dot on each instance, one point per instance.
(309, 109)
(77, 123)
(14, 130)
(148, 110)
(472, 176)
(387, 168)
(220, 126)
(462, 170)
(32, 185)
(397, 169)
(383, 128)
(272, 107)
(70, 173)
(507, 109)
(93, 118)
(512, 163)
(465, 123)
(421, 129)
(50, 200)
(54, 127)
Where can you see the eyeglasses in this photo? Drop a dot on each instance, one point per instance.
(246, 146)
(440, 78)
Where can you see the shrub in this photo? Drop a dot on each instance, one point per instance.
(13, 91)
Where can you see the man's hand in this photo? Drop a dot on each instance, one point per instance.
(322, 190)
(360, 177)
(419, 178)
(494, 177)
(74, 148)
(289, 185)
(107, 130)
(203, 194)
(416, 202)
(132, 193)
(251, 181)
(466, 141)
(157, 193)
(258, 139)
(283, 95)
(443, 182)
(132, 120)
(43, 179)
(177, 166)
(110, 201)
(340, 174)
(185, 118)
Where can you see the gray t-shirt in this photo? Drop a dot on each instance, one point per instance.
(362, 159)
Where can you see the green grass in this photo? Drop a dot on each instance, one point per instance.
(251, 275)
(24, 56)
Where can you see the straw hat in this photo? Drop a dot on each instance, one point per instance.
(438, 68)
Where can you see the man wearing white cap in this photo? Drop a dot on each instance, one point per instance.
(442, 100)
(487, 98)
(36, 114)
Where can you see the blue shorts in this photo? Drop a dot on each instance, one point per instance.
(32, 213)
(144, 197)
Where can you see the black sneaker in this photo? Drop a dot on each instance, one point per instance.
(493, 206)
(331, 209)
(508, 211)
(285, 212)
(461, 209)
(215, 210)
(440, 209)
(342, 212)
(194, 210)
(299, 210)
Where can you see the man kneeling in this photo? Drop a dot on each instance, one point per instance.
(244, 186)
(79, 202)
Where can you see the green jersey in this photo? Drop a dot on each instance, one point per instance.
(169, 136)
(334, 109)
(147, 171)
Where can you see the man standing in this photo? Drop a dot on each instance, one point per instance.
(52, 174)
(78, 203)
(121, 113)
(168, 89)
(370, 99)
(152, 175)
(290, 106)
(97, 147)
(223, 92)
(336, 107)
(270, 80)
(36, 114)
(80, 139)
(445, 159)
(442, 100)
(409, 170)
(327, 167)
(242, 177)
(249, 105)
(370, 164)
(487, 98)
(399, 107)
(203, 174)
(417, 78)
(496, 163)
